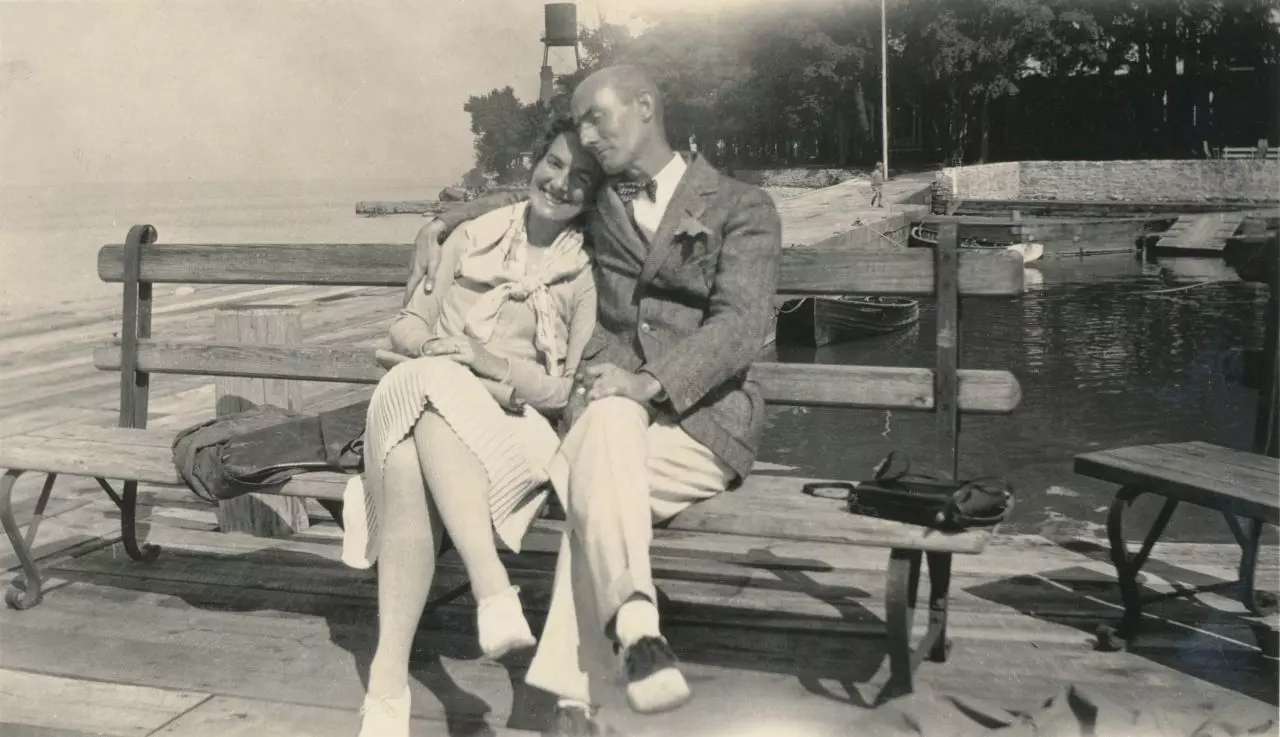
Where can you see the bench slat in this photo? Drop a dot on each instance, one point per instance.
(1197, 472)
(773, 507)
(765, 506)
(112, 453)
(125, 454)
(881, 387)
(804, 270)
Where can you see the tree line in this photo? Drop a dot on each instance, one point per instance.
(798, 83)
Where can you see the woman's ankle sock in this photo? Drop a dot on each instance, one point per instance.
(501, 625)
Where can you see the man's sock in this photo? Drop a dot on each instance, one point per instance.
(637, 618)
(574, 704)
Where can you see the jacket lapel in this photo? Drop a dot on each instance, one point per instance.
(617, 223)
(696, 188)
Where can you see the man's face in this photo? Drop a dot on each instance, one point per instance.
(609, 127)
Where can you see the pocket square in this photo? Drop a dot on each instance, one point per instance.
(690, 234)
(689, 227)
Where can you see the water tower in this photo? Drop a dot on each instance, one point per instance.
(561, 30)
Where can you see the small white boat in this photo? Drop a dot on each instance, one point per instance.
(1029, 251)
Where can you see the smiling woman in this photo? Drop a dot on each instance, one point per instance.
(456, 435)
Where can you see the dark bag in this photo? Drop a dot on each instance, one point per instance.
(260, 449)
(929, 501)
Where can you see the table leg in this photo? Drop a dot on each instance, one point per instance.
(1127, 566)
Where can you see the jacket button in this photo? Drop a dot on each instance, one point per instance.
(646, 327)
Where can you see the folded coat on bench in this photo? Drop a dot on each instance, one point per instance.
(260, 449)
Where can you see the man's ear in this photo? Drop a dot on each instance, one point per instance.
(644, 101)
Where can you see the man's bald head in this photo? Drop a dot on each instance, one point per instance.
(618, 110)
(629, 82)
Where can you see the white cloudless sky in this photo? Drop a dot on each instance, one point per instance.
(261, 90)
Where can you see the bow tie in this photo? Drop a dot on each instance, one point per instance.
(629, 189)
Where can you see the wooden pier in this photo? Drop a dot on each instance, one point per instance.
(1211, 233)
(227, 634)
(1200, 233)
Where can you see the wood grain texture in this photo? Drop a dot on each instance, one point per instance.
(774, 507)
(1197, 472)
(126, 454)
(91, 707)
(259, 514)
(880, 387)
(814, 270)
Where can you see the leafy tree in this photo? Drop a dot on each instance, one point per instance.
(505, 128)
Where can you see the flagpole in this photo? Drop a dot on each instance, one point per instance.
(884, 90)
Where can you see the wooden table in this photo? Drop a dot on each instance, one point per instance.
(1236, 483)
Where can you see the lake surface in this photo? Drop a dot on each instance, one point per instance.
(1103, 362)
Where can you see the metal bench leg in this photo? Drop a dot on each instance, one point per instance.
(334, 508)
(939, 594)
(128, 526)
(899, 609)
(1127, 567)
(127, 501)
(28, 593)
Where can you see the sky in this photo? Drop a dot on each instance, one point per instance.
(95, 91)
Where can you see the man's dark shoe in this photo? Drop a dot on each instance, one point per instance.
(573, 721)
(654, 681)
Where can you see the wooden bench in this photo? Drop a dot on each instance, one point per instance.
(1251, 152)
(1235, 483)
(131, 454)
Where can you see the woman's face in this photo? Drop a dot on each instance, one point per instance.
(564, 181)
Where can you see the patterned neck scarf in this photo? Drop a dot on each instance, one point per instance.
(501, 265)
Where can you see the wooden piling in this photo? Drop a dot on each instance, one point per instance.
(258, 514)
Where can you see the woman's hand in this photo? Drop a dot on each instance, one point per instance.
(469, 353)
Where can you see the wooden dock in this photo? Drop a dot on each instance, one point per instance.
(1209, 233)
(1201, 233)
(227, 634)
(273, 637)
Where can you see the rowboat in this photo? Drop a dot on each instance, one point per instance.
(819, 321)
(925, 237)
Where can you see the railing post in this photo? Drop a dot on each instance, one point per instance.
(946, 385)
(264, 515)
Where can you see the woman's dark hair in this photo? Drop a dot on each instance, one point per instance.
(555, 127)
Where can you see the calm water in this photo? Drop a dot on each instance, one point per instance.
(1102, 361)
(50, 236)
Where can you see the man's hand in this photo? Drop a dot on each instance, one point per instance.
(607, 380)
(426, 258)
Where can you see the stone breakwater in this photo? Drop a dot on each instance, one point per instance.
(1195, 180)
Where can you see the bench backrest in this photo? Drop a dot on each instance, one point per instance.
(944, 272)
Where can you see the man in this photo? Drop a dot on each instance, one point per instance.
(877, 185)
(686, 265)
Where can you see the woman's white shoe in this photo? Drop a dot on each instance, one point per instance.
(385, 716)
(501, 626)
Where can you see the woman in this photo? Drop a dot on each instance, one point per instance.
(511, 310)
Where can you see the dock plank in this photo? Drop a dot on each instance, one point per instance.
(93, 707)
(1203, 232)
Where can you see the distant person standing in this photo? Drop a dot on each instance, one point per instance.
(877, 185)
